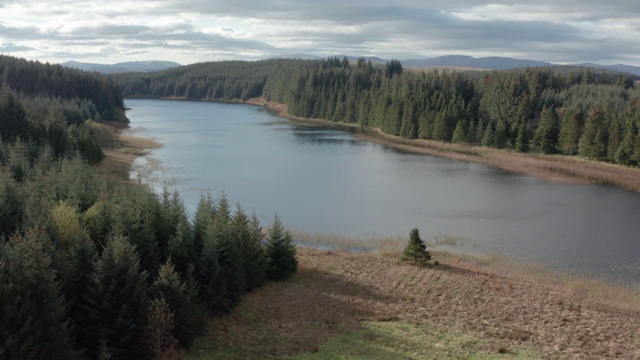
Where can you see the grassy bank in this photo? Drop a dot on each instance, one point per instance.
(361, 305)
(549, 167)
(120, 150)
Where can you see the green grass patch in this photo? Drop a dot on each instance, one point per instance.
(400, 340)
(393, 340)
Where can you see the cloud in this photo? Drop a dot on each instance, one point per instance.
(12, 47)
(197, 30)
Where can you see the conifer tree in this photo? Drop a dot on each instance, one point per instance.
(203, 217)
(570, 131)
(416, 250)
(488, 137)
(522, 140)
(209, 274)
(593, 140)
(626, 149)
(182, 301)
(228, 249)
(280, 252)
(181, 248)
(459, 133)
(546, 136)
(257, 237)
(33, 319)
(249, 239)
(11, 207)
(116, 304)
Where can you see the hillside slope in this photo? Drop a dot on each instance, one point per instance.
(364, 305)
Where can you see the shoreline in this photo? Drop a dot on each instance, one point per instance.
(556, 168)
(120, 150)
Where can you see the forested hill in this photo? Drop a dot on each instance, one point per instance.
(91, 267)
(42, 104)
(586, 113)
(94, 96)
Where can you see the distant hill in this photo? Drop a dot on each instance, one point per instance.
(458, 62)
(129, 66)
(493, 62)
(635, 70)
(464, 62)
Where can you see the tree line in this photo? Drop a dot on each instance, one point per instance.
(91, 267)
(584, 112)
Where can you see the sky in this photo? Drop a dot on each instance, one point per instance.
(189, 31)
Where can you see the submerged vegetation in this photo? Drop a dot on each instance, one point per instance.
(595, 115)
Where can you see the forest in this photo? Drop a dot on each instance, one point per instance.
(94, 267)
(583, 112)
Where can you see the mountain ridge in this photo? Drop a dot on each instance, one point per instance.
(127, 66)
(488, 63)
(459, 61)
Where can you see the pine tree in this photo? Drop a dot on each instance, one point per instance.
(488, 138)
(570, 131)
(228, 249)
(182, 300)
(593, 141)
(181, 248)
(416, 250)
(248, 236)
(115, 304)
(209, 274)
(522, 140)
(203, 217)
(11, 207)
(458, 133)
(546, 136)
(33, 319)
(626, 149)
(280, 252)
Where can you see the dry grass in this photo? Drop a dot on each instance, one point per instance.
(120, 150)
(623, 296)
(360, 305)
(549, 167)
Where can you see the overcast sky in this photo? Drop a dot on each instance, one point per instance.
(188, 31)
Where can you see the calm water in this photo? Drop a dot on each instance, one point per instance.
(325, 180)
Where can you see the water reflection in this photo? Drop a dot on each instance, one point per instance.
(323, 179)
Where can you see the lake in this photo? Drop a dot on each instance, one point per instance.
(323, 179)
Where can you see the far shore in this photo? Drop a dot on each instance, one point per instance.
(120, 154)
(558, 168)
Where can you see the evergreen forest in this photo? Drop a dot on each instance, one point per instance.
(577, 111)
(93, 267)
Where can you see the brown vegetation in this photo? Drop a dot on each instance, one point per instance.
(549, 167)
(336, 293)
(120, 150)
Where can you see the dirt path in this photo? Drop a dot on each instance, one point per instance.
(334, 292)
